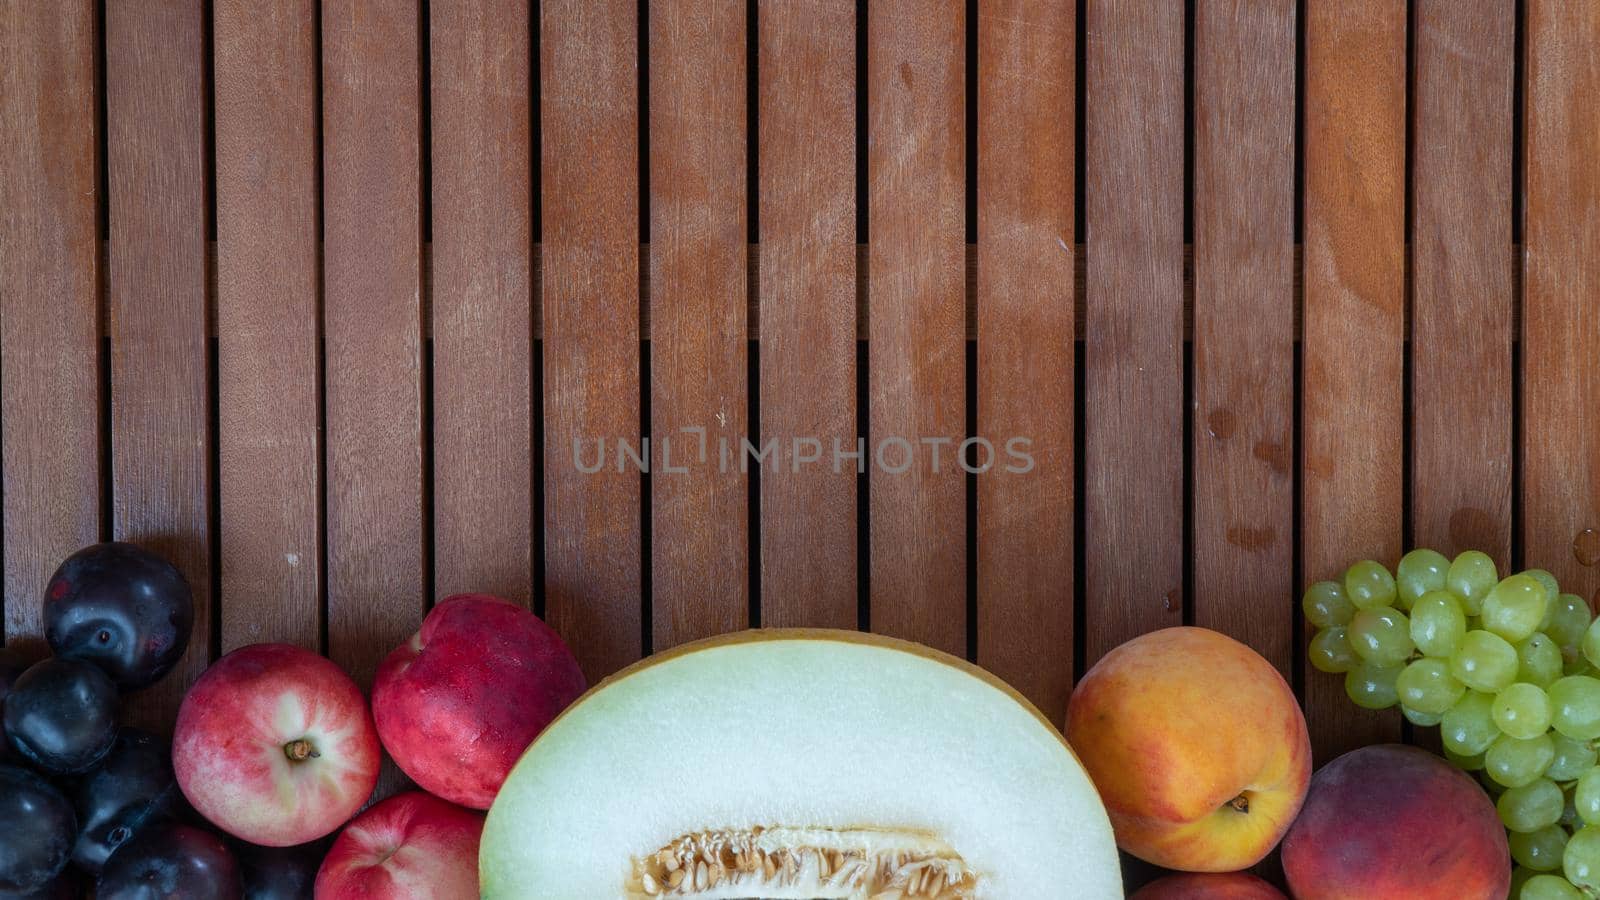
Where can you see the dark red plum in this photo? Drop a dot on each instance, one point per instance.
(61, 716)
(122, 608)
(36, 839)
(132, 789)
(280, 873)
(170, 860)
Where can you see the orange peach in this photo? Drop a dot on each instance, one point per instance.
(1208, 886)
(1198, 748)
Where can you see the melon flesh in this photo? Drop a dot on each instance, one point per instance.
(799, 765)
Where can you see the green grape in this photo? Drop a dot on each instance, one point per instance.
(1380, 635)
(1484, 662)
(1437, 623)
(1551, 592)
(1591, 643)
(1326, 605)
(1538, 660)
(1575, 664)
(1573, 758)
(1569, 812)
(1522, 710)
(1539, 850)
(1520, 875)
(1426, 685)
(1467, 729)
(1569, 619)
(1419, 718)
(1514, 608)
(1586, 797)
(1514, 762)
(1580, 861)
(1575, 707)
(1470, 577)
(1420, 571)
(1369, 585)
(1548, 887)
(1330, 651)
(1372, 686)
(1531, 807)
(1470, 763)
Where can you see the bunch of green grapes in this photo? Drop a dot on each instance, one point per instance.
(1509, 669)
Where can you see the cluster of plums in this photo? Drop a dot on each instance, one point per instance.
(84, 801)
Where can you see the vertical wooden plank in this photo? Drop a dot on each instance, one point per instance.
(916, 324)
(160, 393)
(1352, 424)
(1461, 278)
(372, 320)
(808, 308)
(49, 298)
(1561, 323)
(1244, 69)
(588, 71)
(1134, 366)
(698, 332)
(267, 329)
(482, 299)
(1026, 72)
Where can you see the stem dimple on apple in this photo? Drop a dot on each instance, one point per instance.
(1240, 803)
(300, 750)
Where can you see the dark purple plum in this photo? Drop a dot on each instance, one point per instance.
(280, 873)
(61, 716)
(36, 838)
(170, 860)
(10, 667)
(122, 608)
(132, 789)
(66, 886)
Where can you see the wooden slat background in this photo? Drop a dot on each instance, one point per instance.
(315, 296)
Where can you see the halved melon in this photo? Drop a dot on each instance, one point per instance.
(783, 764)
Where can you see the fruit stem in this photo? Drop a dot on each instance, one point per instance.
(1240, 803)
(300, 750)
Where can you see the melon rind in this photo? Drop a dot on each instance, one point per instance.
(799, 728)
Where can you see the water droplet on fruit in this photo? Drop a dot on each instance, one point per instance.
(1586, 547)
(1221, 424)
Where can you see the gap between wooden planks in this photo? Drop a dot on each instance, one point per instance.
(753, 300)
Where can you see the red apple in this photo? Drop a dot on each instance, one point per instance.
(1208, 886)
(412, 846)
(1396, 823)
(274, 745)
(458, 703)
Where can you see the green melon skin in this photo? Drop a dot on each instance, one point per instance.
(798, 729)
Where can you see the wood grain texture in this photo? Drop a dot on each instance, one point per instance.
(1026, 72)
(1243, 441)
(590, 113)
(160, 373)
(808, 308)
(1134, 366)
(1461, 294)
(700, 583)
(482, 298)
(49, 298)
(916, 354)
(372, 322)
(267, 323)
(1561, 321)
(1352, 426)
